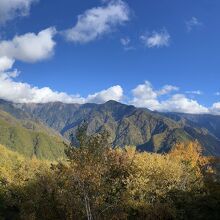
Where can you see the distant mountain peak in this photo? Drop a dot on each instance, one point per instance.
(113, 102)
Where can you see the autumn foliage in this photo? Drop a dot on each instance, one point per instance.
(101, 182)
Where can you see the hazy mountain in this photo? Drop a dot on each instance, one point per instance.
(127, 125)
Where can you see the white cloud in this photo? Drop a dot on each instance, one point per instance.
(5, 63)
(9, 9)
(156, 39)
(146, 91)
(125, 41)
(167, 89)
(113, 93)
(195, 92)
(215, 109)
(192, 23)
(144, 95)
(24, 93)
(180, 103)
(30, 47)
(98, 21)
(217, 93)
(19, 92)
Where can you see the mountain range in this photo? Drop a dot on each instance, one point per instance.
(126, 124)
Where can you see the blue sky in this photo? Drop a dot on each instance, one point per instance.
(163, 55)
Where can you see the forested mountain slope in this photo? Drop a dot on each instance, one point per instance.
(127, 125)
(30, 138)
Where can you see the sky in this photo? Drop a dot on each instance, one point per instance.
(156, 54)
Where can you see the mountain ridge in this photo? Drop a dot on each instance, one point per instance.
(126, 124)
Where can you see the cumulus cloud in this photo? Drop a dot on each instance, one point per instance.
(180, 103)
(167, 89)
(156, 39)
(215, 109)
(113, 93)
(20, 92)
(98, 21)
(193, 23)
(30, 47)
(9, 9)
(146, 91)
(145, 95)
(5, 63)
(24, 93)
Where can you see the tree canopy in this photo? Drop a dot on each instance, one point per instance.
(97, 181)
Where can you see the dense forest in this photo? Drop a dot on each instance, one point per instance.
(97, 181)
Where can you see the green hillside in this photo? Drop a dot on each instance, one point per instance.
(29, 138)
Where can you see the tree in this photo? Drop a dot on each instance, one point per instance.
(99, 173)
